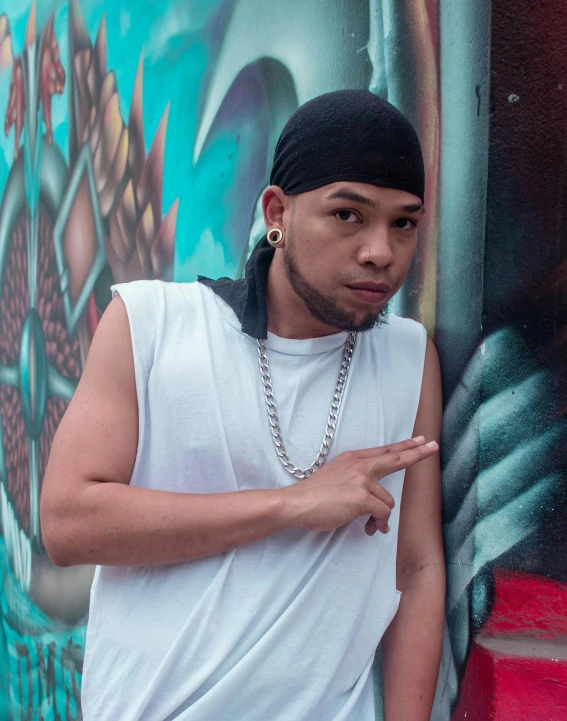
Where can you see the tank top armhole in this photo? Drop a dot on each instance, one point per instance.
(140, 299)
(410, 340)
(422, 349)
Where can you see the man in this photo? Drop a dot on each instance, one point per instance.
(242, 575)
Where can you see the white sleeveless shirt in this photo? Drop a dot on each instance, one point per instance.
(284, 629)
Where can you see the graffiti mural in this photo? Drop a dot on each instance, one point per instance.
(138, 141)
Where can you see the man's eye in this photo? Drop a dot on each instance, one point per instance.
(347, 216)
(405, 223)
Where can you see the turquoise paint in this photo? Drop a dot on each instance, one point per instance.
(33, 374)
(43, 661)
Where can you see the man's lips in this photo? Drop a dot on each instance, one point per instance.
(370, 292)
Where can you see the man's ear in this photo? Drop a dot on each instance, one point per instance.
(274, 204)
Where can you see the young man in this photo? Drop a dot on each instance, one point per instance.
(245, 570)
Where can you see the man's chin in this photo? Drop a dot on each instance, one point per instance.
(363, 322)
(328, 309)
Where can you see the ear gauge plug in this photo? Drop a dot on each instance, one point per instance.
(275, 237)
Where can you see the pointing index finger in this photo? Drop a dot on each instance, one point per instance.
(365, 453)
(397, 460)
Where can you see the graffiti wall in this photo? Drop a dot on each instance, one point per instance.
(509, 523)
(138, 139)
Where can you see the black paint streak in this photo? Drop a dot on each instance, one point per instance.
(23, 653)
(72, 661)
(47, 676)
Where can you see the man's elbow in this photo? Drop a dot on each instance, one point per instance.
(56, 533)
(57, 551)
(430, 569)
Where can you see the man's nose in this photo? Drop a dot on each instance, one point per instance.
(377, 248)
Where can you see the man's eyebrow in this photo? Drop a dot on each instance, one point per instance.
(363, 200)
(354, 197)
(412, 208)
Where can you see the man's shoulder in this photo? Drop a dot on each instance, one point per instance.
(152, 290)
(400, 343)
(399, 328)
(153, 306)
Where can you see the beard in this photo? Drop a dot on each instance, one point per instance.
(323, 307)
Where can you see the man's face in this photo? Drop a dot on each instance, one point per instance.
(348, 248)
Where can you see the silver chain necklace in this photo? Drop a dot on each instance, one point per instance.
(333, 413)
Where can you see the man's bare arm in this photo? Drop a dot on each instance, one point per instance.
(411, 646)
(90, 514)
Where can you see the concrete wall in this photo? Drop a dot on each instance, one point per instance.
(138, 142)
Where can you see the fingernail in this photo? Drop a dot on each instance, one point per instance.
(419, 439)
(432, 444)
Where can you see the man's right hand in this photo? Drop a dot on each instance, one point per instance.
(348, 487)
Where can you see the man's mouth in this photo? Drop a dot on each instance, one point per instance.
(370, 292)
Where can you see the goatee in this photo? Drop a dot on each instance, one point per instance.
(324, 308)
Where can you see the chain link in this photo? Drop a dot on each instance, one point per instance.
(333, 413)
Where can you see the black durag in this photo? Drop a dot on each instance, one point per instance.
(346, 135)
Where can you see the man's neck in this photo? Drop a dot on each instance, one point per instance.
(288, 316)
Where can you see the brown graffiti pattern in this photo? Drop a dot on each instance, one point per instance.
(13, 310)
(62, 353)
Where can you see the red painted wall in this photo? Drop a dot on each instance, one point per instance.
(518, 665)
